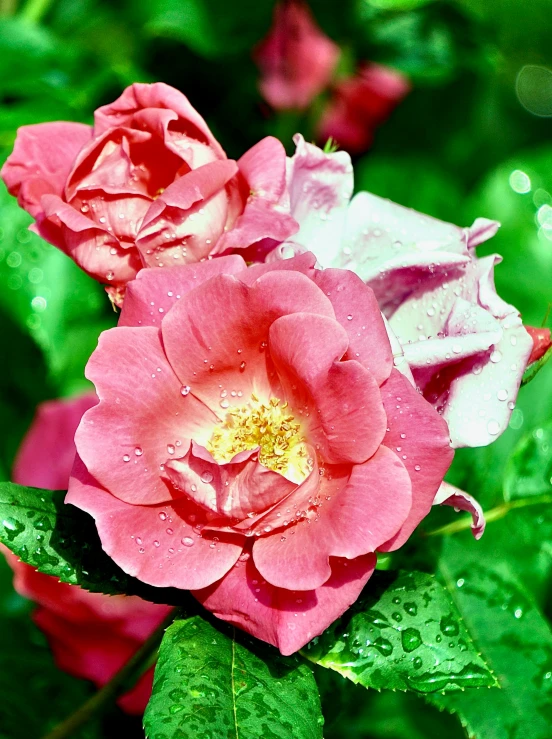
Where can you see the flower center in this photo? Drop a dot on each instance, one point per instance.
(268, 426)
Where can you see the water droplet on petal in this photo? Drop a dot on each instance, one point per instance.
(188, 541)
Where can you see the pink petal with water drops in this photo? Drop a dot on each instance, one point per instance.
(478, 398)
(192, 213)
(266, 208)
(320, 186)
(339, 401)
(154, 292)
(233, 490)
(357, 310)
(92, 246)
(393, 248)
(216, 336)
(41, 160)
(360, 510)
(450, 495)
(125, 440)
(469, 330)
(420, 438)
(286, 618)
(161, 545)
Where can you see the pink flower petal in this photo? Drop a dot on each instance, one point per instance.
(142, 414)
(188, 218)
(266, 208)
(357, 310)
(236, 489)
(365, 510)
(393, 248)
(154, 292)
(320, 186)
(94, 653)
(288, 619)
(92, 247)
(303, 263)
(158, 96)
(158, 544)
(421, 439)
(346, 419)
(453, 496)
(41, 161)
(50, 437)
(296, 59)
(216, 336)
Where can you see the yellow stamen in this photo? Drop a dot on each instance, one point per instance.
(268, 426)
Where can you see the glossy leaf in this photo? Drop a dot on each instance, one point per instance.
(515, 638)
(404, 633)
(529, 469)
(211, 683)
(62, 541)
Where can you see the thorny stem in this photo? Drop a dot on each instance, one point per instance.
(492, 515)
(121, 681)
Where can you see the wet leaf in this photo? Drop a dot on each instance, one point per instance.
(404, 633)
(62, 541)
(209, 683)
(529, 469)
(514, 636)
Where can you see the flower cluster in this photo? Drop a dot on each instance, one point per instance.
(263, 431)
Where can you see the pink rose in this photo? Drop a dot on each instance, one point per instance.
(148, 185)
(296, 59)
(458, 341)
(253, 442)
(91, 635)
(361, 104)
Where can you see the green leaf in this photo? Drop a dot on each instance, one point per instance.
(514, 636)
(404, 633)
(62, 541)
(536, 367)
(49, 297)
(529, 469)
(209, 684)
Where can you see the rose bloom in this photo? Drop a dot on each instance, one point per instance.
(253, 442)
(296, 59)
(360, 104)
(147, 185)
(462, 346)
(91, 635)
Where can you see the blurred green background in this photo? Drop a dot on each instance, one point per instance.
(473, 138)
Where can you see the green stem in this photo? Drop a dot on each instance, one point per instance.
(118, 684)
(492, 515)
(35, 10)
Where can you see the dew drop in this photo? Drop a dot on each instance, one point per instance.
(206, 477)
(138, 451)
(184, 390)
(188, 541)
(126, 458)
